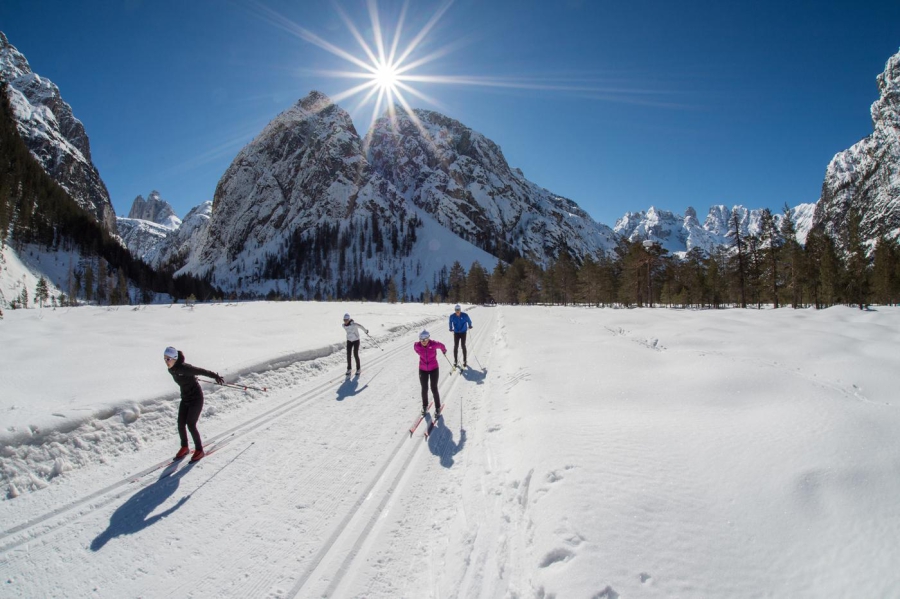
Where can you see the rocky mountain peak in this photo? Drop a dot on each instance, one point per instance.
(154, 209)
(315, 101)
(305, 168)
(865, 178)
(886, 109)
(53, 135)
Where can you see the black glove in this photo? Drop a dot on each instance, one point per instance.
(219, 380)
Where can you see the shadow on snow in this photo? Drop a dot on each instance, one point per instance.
(441, 444)
(134, 515)
(349, 388)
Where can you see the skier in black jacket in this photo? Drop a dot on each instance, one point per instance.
(191, 399)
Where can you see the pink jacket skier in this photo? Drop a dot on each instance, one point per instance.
(429, 369)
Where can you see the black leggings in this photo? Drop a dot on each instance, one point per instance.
(188, 415)
(354, 347)
(424, 377)
(457, 337)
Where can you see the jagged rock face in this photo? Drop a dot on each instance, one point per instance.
(462, 179)
(55, 137)
(679, 234)
(306, 167)
(866, 177)
(154, 209)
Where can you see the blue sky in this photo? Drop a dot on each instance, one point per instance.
(615, 105)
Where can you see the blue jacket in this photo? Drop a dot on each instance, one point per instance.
(461, 323)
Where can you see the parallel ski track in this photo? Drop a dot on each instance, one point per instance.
(215, 442)
(394, 457)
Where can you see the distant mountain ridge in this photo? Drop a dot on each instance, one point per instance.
(53, 135)
(679, 234)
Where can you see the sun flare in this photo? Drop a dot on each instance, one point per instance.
(386, 77)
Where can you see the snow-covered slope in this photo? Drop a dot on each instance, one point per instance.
(679, 234)
(462, 179)
(584, 453)
(55, 137)
(866, 177)
(23, 269)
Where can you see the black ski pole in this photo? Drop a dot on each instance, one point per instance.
(372, 339)
(452, 367)
(235, 386)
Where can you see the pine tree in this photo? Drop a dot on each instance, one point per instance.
(89, 281)
(456, 281)
(41, 292)
(477, 284)
(497, 283)
(794, 259)
(715, 267)
(739, 268)
(857, 284)
(884, 271)
(392, 292)
(565, 278)
(772, 243)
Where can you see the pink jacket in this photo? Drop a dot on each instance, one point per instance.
(428, 360)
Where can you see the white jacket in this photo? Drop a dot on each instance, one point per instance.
(352, 329)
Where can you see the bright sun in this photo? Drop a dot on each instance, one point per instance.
(386, 77)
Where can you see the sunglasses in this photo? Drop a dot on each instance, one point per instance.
(168, 359)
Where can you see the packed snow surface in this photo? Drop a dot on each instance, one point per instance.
(583, 453)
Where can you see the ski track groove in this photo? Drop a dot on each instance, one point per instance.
(396, 484)
(293, 482)
(143, 478)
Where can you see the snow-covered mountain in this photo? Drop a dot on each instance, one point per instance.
(308, 175)
(679, 234)
(302, 203)
(149, 224)
(156, 210)
(866, 177)
(55, 137)
(462, 179)
(304, 176)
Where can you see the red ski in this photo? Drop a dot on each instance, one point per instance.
(415, 425)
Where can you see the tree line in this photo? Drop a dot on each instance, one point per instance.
(769, 268)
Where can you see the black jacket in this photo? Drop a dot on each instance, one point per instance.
(186, 377)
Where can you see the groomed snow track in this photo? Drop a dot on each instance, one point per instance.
(372, 473)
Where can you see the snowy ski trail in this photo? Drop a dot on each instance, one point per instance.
(389, 488)
(366, 458)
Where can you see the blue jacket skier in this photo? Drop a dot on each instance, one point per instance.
(460, 323)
